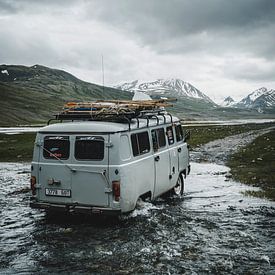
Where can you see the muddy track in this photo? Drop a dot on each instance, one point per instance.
(219, 150)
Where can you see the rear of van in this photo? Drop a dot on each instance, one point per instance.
(70, 172)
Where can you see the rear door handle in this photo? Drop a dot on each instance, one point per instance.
(157, 158)
(179, 150)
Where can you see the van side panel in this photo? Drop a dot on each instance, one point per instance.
(162, 172)
(137, 178)
(183, 157)
(174, 165)
(136, 174)
(35, 162)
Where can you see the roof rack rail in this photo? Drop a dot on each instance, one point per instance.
(115, 110)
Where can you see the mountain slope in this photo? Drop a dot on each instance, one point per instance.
(34, 94)
(261, 98)
(228, 102)
(166, 88)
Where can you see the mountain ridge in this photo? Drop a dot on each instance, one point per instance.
(171, 87)
(262, 100)
(228, 102)
(35, 93)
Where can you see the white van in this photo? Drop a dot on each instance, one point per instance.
(105, 167)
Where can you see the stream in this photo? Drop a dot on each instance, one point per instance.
(213, 229)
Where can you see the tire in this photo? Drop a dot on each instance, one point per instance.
(179, 187)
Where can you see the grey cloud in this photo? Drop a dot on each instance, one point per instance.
(32, 6)
(31, 52)
(7, 7)
(181, 17)
(250, 71)
(178, 26)
(194, 39)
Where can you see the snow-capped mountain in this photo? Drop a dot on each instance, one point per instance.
(261, 98)
(165, 87)
(228, 102)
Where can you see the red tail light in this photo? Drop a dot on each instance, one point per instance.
(116, 190)
(33, 185)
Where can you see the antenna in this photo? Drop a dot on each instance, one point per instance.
(102, 67)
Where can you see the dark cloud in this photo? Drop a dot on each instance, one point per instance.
(197, 25)
(7, 7)
(32, 6)
(184, 16)
(211, 43)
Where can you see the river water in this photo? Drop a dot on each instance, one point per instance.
(213, 229)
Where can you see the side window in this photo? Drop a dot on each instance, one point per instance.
(161, 137)
(89, 148)
(124, 147)
(134, 144)
(155, 140)
(179, 133)
(140, 143)
(170, 135)
(158, 138)
(56, 147)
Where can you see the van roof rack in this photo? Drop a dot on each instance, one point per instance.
(112, 110)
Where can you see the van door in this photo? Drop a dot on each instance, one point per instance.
(54, 177)
(90, 182)
(173, 153)
(182, 149)
(162, 162)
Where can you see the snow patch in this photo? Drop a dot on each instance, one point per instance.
(141, 96)
(5, 72)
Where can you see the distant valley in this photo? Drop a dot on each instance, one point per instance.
(34, 94)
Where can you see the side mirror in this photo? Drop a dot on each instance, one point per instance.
(187, 136)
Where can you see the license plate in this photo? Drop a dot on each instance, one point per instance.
(58, 192)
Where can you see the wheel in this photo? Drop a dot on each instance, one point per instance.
(179, 187)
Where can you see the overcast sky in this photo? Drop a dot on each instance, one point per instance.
(222, 47)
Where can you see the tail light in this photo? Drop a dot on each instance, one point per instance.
(116, 190)
(33, 185)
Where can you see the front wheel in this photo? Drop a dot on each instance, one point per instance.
(179, 187)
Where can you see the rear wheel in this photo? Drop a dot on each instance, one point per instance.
(179, 187)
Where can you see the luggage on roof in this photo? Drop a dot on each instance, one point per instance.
(115, 110)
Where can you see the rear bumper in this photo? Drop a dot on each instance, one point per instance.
(80, 209)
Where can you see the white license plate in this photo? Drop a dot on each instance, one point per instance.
(58, 192)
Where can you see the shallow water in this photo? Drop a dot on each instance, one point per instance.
(212, 229)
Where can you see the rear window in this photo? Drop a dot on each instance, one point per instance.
(56, 147)
(89, 148)
(179, 133)
(140, 143)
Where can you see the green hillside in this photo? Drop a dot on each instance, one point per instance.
(31, 95)
(34, 94)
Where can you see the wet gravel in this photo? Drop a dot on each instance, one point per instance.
(213, 229)
(219, 150)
